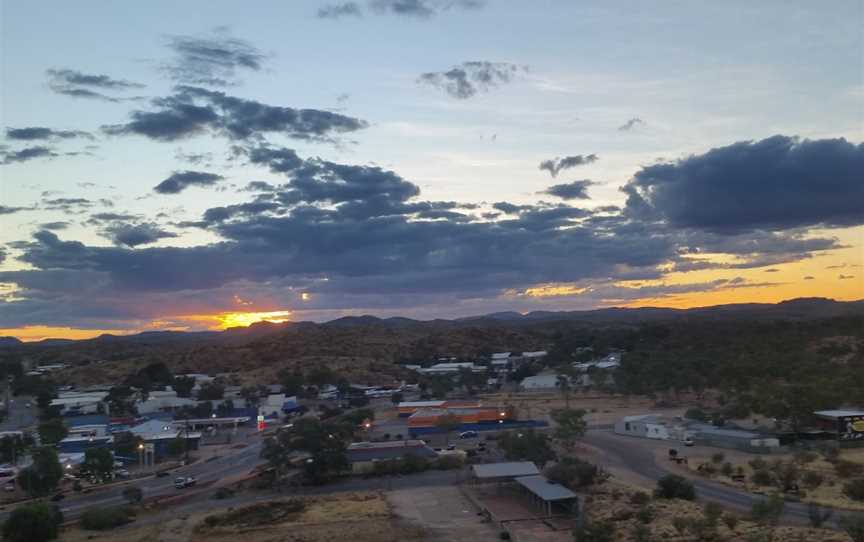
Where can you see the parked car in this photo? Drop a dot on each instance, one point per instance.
(688, 442)
(468, 434)
(10, 487)
(182, 482)
(122, 473)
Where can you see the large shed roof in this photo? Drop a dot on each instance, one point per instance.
(503, 470)
(545, 488)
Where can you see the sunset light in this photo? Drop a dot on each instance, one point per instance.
(245, 319)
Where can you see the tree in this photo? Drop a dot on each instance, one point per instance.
(768, 511)
(126, 444)
(98, 463)
(42, 477)
(252, 396)
(11, 447)
(595, 531)
(447, 423)
(526, 445)
(570, 425)
(673, 486)
(320, 376)
(52, 431)
(121, 401)
(292, 381)
(133, 494)
(325, 442)
(854, 526)
(563, 382)
(211, 391)
(397, 398)
(35, 522)
(183, 385)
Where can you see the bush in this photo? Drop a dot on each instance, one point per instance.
(762, 478)
(758, 464)
(712, 512)
(640, 498)
(223, 493)
(680, 524)
(854, 526)
(575, 473)
(731, 521)
(812, 480)
(447, 462)
(673, 486)
(645, 515)
(718, 458)
(37, 522)
(596, 531)
(727, 469)
(848, 469)
(805, 457)
(696, 414)
(768, 511)
(103, 519)
(855, 489)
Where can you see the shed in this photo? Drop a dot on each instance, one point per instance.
(546, 492)
(501, 472)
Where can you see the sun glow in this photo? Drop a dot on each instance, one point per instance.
(245, 319)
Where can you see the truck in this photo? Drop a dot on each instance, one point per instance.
(182, 482)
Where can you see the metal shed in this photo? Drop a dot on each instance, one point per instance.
(545, 492)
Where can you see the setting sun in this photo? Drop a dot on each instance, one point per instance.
(244, 319)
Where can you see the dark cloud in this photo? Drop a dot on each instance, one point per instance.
(571, 190)
(510, 208)
(470, 78)
(809, 277)
(776, 183)
(2, 255)
(197, 159)
(557, 165)
(194, 110)
(133, 235)
(180, 180)
(7, 210)
(630, 124)
(67, 205)
(54, 226)
(80, 85)
(212, 60)
(259, 186)
(337, 11)
(421, 8)
(33, 133)
(846, 277)
(98, 218)
(772, 270)
(26, 154)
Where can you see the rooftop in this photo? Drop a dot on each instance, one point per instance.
(839, 413)
(545, 488)
(509, 469)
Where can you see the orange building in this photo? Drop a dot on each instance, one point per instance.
(410, 407)
(429, 417)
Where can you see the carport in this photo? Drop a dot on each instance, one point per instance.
(503, 472)
(545, 493)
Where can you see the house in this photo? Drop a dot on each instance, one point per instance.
(163, 401)
(847, 425)
(645, 426)
(78, 445)
(452, 368)
(77, 403)
(364, 455)
(543, 382)
(161, 434)
(534, 356)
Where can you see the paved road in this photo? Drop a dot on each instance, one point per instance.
(20, 416)
(638, 455)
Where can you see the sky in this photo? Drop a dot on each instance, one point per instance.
(202, 165)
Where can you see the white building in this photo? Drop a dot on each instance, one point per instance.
(651, 426)
(543, 382)
(72, 403)
(163, 401)
(452, 368)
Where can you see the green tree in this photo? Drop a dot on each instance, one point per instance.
(768, 511)
(52, 431)
(321, 376)
(526, 445)
(853, 525)
(35, 522)
(251, 395)
(292, 381)
(324, 441)
(211, 391)
(183, 385)
(673, 486)
(126, 444)
(397, 398)
(13, 446)
(570, 425)
(98, 463)
(564, 384)
(42, 477)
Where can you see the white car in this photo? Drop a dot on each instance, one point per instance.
(688, 442)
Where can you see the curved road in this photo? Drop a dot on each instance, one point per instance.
(638, 456)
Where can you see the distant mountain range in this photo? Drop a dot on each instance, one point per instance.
(794, 309)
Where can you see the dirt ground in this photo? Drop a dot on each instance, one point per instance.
(602, 409)
(828, 493)
(360, 517)
(443, 512)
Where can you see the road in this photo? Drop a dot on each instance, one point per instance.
(20, 416)
(638, 456)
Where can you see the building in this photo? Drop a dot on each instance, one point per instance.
(534, 356)
(276, 405)
(502, 472)
(847, 425)
(161, 434)
(544, 382)
(548, 495)
(731, 438)
(430, 417)
(77, 403)
(78, 445)
(649, 426)
(364, 455)
(163, 401)
(407, 408)
(452, 368)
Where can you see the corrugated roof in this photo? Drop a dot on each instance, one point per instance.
(509, 469)
(545, 489)
(411, 404)
(388, 453)
(839, 413)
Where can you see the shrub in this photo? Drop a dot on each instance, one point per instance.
(758, 464)
(712, 512)
(574, 473)
(855, 489)
(727, 469)
(805, 457)
(680, 524)
(641, 533)
(36, 522)
(447, 462)
(812, 480)
(595, 531)
(768, 511)
(848, 469)
(731, 521)
(854, 526)
(696, 414)
(223, 493)
(645, 515)
(640, 498)
(103, 519)
(718, 458)
(673, 486)
(762, 478)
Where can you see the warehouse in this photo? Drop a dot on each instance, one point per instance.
(364, 455)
